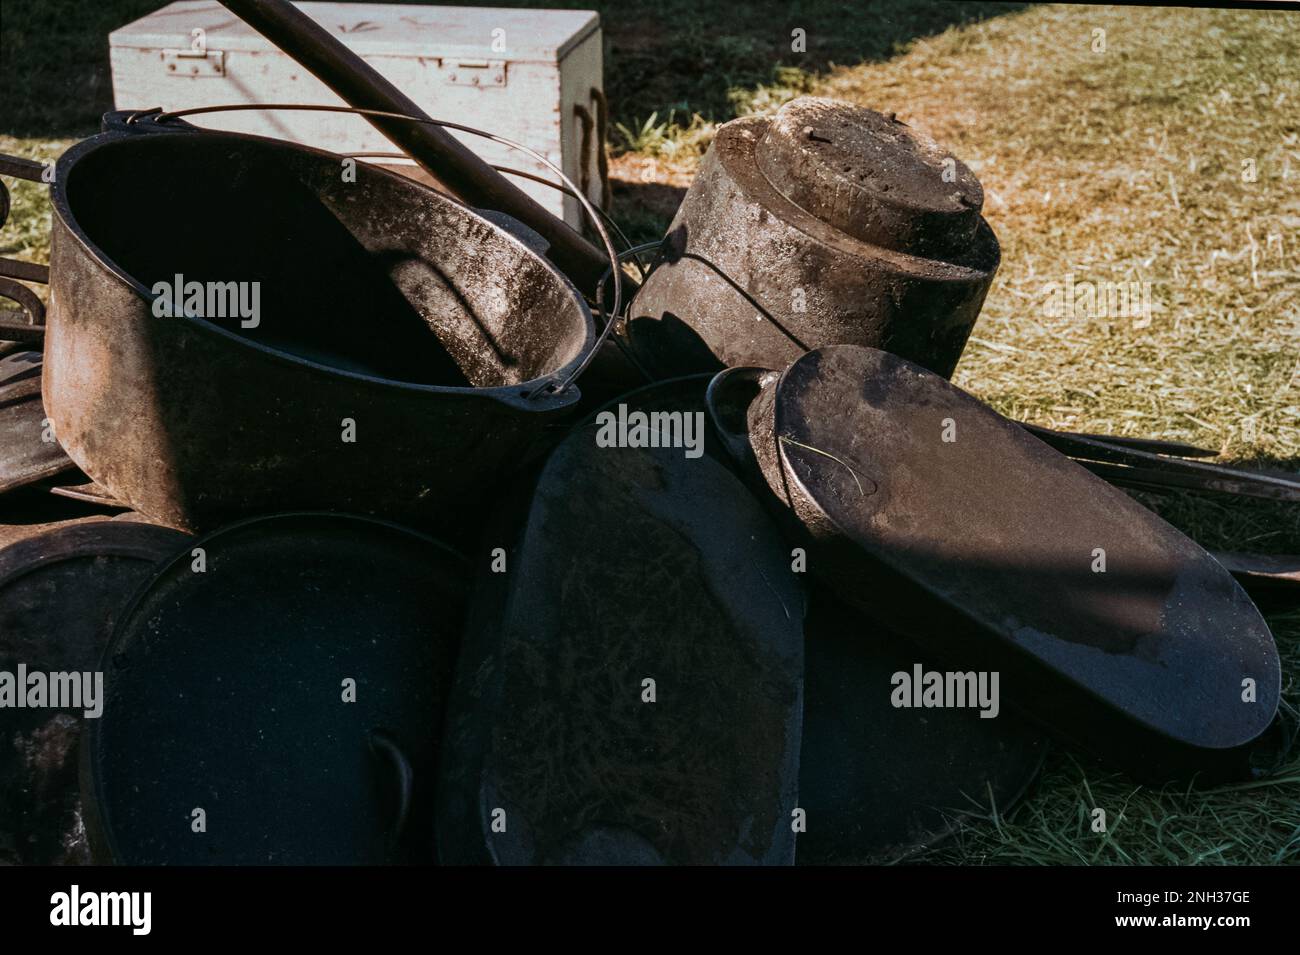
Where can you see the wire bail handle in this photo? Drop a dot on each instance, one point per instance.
(587, 208)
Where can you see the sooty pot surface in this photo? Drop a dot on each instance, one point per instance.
(304, 296)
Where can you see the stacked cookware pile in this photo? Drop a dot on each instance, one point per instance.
(363, 541)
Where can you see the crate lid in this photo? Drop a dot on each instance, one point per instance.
(386, 29)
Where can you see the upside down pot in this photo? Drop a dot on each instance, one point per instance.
(825, 224)
(358, 341)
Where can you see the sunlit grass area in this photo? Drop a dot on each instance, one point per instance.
(1130, 145)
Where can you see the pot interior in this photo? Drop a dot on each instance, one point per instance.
(380, 275)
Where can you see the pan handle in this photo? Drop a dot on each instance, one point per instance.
(734, 438)
(382, 743)
(20, 168)
(28, 323)
(1121, 464)
(13, 326)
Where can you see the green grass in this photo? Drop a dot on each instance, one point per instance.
(1116, 166)
(1122, 165)
(1255, 822)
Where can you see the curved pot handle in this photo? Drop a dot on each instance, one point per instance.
(383, 744)
(551, 387)
(13, 326)
(27, 324)
(728, 416)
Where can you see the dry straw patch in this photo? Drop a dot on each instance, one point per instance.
(1127, 165)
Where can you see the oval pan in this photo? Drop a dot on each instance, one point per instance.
(880, 783)
(631, 564)
(984, 547)
(226, 692)
(61, 587)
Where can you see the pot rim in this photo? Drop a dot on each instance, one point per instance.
(736, 152)
(514, 395)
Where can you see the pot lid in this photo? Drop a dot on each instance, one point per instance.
(274, 695)
(871, 176)
(61, 587)
(1106, 622)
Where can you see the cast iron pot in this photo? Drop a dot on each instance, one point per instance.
(402, 351)
(824, 224)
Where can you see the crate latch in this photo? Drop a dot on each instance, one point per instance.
(197, 61)
(475, 72)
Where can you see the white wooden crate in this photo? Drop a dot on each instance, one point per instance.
(532, 76)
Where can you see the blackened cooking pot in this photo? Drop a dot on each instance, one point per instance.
(238, 325)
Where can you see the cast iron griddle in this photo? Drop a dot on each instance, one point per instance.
(61, 587)
(226, 693)
(632, 564)
(986, 547)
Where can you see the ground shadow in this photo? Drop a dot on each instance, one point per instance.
(644, 209)
(1233, 523)
(660, 55)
